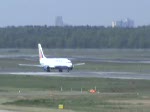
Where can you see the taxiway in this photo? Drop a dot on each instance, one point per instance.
(88, 74)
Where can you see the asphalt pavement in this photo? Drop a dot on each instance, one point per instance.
(88, 74)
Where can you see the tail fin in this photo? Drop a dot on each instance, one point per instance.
(41, 54)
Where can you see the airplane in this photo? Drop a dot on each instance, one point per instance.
(53, 63)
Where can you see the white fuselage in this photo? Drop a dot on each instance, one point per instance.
(56, 63)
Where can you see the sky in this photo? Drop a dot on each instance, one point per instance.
(74, 12)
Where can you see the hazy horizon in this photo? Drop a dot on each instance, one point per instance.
(74, 12)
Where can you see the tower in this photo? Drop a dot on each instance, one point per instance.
(59, 21)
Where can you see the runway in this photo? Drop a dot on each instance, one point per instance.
(90, 74)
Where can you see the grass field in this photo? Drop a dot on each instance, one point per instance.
(10, 58)
(113, 95)
(135, 54)
(37, 93)
(11, 65)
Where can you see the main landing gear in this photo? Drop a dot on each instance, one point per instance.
(60, 70)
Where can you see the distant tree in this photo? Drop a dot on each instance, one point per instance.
(74, 37)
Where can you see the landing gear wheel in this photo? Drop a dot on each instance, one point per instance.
(48, 69)
(60, 70)
(68, 70)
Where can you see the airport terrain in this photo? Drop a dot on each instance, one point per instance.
(30, 89)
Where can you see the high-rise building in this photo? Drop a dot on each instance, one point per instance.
(126, 23)
(59, 21)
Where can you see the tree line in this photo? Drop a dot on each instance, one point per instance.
(74, 37)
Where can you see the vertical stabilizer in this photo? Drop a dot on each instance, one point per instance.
(41, 54)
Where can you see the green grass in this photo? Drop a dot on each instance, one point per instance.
(134, 54)
(54, 83)
(36, 91)
(115, 67)
(11, 65)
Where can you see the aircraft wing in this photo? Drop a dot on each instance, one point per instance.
(77, 64)
(30, 65)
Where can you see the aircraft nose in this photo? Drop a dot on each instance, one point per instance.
(71, 65)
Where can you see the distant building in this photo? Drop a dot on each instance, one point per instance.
(126, 23)
(59, 21)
